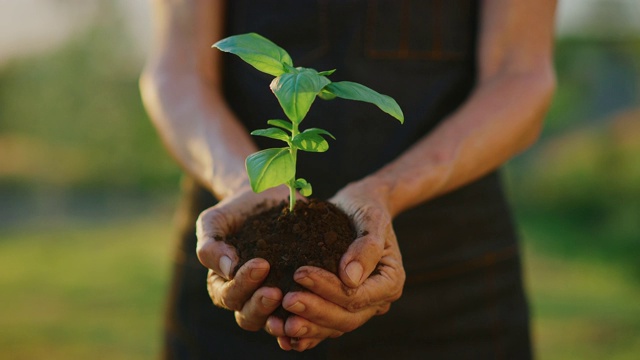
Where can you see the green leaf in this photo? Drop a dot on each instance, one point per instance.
(304, 187)
(270, 168)
(327, 73)
(296, 91)
(318, 132)
(273, 133)
(354, 91)
(325, 95)
(283, 124)
(258, 51)
(311, 140)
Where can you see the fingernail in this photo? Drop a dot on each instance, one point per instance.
(306, 282)
(303, 330)
(294, 342)
(269, 303)
(258, 274)
(354, 271)
(225, 266)
(297, 307)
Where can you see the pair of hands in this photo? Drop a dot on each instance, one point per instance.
(332, 306)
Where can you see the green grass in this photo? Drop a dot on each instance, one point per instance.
(87, 290)
(582, 309)
(83, 291)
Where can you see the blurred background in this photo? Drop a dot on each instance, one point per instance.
(87, 192)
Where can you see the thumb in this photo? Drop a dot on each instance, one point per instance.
(213, 252)
(361, 259)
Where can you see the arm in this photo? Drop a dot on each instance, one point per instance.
(181, 90)
(502, 117)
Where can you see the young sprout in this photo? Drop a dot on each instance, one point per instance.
(296, 88)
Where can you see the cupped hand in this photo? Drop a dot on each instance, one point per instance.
(371, 277)
(239, 291)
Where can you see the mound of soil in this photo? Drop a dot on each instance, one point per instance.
(316, 233)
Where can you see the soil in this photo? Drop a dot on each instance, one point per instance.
(316, 233)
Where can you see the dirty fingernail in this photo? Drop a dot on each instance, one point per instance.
(298, 307)
(268, 303)
(354, 271)
(258, 274)
(303, 330)
(225, 266)
(305, 281)
(294, 342)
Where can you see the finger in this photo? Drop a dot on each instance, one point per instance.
(360, 259)
(285, 343)
(211, 227)
(327, 314)
(363, 255)
(300, 345)
(384, 287)
(217, 256)
(275, 326)
(234, 293)
(214, 283)
(255, 312)
(298, 327)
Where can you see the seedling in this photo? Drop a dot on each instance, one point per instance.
(296, 88)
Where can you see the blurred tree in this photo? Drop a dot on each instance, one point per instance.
(72, 119)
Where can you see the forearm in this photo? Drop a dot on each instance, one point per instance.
(181, 91)
(198, 129)
(500, 119)
(502, 116)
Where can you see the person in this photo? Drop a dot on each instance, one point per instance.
(474, 80)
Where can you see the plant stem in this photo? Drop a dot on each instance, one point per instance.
(292, 196)
(294, 154)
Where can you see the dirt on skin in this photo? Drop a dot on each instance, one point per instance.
(317, 233)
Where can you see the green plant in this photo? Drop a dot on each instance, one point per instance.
(296, 88)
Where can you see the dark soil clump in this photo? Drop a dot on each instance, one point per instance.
(317, 233)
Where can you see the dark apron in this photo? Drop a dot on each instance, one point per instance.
(463, 297)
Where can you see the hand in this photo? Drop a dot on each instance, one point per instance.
(338, 305)
(239, 292)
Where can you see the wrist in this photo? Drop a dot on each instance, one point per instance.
(231, 187)
(375, 189)
(397, 192)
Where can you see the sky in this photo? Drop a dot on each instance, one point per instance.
(30, 27)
